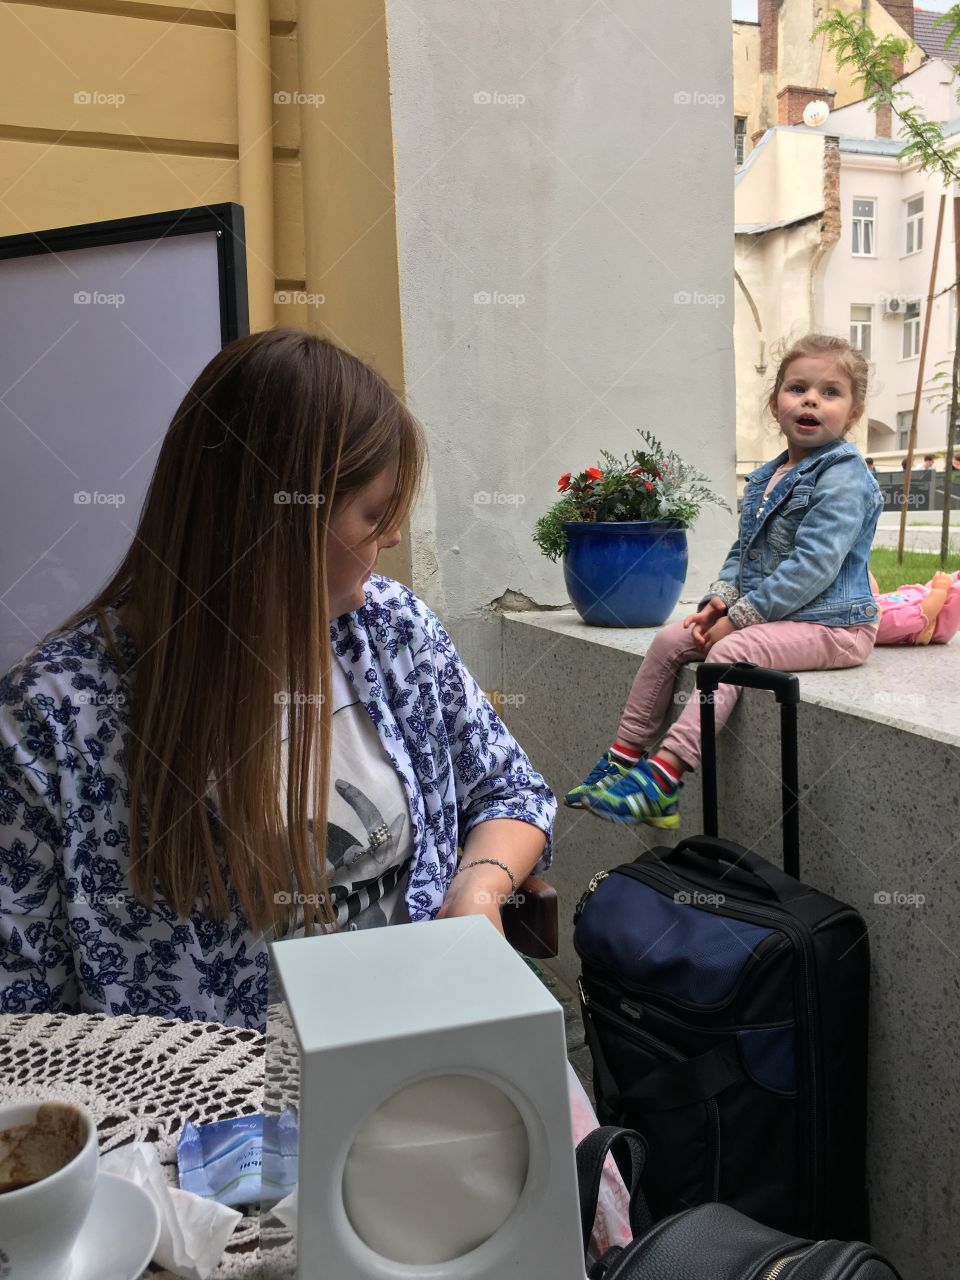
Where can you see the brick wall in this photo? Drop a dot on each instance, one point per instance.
(885, 111)
(767, 12)
(792, 100)
(830, 227)
(902, 12)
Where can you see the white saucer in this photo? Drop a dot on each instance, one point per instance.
(119, 1235)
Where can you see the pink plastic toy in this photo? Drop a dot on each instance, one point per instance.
(914, 614)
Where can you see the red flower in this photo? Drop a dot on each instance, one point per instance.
(594, 473)
(563, 484)
(638, 471)
(648, 486)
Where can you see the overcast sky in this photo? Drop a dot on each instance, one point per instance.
(748, 8)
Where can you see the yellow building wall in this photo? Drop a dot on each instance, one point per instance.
(116, 108)
(802, 61)
(746, 77)
(349, 184)
(811, 64)
(158, 128)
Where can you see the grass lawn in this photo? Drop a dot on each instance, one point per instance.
(918, 566)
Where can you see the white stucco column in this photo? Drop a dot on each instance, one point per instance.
(565, 231)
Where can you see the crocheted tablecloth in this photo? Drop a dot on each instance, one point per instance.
(141, 1078)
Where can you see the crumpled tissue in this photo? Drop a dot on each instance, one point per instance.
(193, 1231)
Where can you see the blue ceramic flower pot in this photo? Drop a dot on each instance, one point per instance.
(625, 573)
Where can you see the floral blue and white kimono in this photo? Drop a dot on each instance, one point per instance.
(73, 938)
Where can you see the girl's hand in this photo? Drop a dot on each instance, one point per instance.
(705, 618)
(723, 627)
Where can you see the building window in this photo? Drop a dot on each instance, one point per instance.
(740, 136)
(915, 224)
(861, 327)
(904, 420)
(911, 330)
(863, 216)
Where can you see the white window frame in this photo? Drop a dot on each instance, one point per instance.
(911, 333)
(739, 139)
(860, 329)
(859, 222)
(913, 224)
(903, 431)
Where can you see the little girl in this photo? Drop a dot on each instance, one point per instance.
(792, 593)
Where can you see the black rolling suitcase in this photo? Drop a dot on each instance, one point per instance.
(725, 1007)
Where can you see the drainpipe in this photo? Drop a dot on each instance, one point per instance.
(761, 365)
(830, 225)
(255, 138)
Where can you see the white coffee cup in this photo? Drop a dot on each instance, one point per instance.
(40, 1222)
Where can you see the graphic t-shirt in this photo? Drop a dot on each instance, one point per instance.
(369, 837)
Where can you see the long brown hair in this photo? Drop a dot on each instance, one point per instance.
(226, 574)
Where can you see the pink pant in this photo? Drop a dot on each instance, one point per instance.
(791, 646)
(902, 621)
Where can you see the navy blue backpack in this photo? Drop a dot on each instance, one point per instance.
(725, 1007)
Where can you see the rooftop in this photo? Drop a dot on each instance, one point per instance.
(932, 40)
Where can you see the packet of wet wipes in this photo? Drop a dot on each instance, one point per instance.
(223, 1160)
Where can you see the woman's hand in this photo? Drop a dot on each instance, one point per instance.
(721, 628)
(472, 893)
(482, 886)
(705, 618)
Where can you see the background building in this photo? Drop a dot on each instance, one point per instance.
(778, 68)
(461, 195)
(834, 232)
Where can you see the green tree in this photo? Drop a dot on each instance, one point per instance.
(877, 66)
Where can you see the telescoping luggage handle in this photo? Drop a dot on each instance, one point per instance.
(786, 688)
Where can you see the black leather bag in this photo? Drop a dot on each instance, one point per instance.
(725, 1007)
(710, 1242)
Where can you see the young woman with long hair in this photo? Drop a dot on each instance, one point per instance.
(297, 736)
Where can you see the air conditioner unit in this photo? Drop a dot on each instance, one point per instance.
(895, 304)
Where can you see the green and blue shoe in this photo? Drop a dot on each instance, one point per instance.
(603, 772)
(636, 797)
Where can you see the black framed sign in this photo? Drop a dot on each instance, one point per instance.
(105, 326)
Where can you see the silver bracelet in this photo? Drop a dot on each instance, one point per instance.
(493, 862)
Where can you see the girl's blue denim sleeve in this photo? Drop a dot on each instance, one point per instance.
(493, 777)
(725, 585)
(834, 520)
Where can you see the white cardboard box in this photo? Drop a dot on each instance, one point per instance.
(374, 1011)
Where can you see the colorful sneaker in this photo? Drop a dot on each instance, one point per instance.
(603, 772)
(634, 798)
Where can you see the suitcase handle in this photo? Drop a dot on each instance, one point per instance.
(769, 880)
(786, 688)
(783, 684)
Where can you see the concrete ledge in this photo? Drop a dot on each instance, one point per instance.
(880, 783)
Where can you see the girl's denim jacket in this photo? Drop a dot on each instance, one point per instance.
(803, 553)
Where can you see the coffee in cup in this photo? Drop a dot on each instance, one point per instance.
(39, 1147)
(48, 1168)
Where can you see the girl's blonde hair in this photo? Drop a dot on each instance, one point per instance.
(848, 357)
(226, 573)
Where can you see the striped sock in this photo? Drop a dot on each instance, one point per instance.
(666, 774)
(624, 753)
